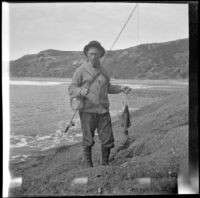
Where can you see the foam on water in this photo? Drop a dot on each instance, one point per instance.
(20, 157)
(146, 86)
(48, 83)
(22, 142)
(43, 142)
(44, 137)
(39, 83)
(137, 86)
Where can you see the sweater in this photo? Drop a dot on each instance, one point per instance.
(96, 101)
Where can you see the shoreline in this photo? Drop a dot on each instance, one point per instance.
(154, 148)
(136, 100)
(74, 133)
(151, 81)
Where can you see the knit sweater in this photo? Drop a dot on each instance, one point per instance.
(96, 101)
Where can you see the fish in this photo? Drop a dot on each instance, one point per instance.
(125, 123)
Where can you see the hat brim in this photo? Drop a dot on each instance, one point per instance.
(86, 48)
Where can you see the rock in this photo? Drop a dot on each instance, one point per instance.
(79, 181)
(100, 190)
(144, 180)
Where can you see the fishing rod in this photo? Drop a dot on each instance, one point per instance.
(71, 121)
(120, 32)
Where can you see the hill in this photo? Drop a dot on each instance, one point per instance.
(168, 60)
(146, 161)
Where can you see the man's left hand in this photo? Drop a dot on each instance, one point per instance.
(126, 89)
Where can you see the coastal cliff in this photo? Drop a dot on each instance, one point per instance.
(167, 60)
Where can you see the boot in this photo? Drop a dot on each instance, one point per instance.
(87, 153)
(105, 155)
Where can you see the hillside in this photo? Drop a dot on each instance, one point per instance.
(146, 161)
(167, 60)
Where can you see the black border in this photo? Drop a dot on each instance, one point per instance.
(193, 90)
(193, 77)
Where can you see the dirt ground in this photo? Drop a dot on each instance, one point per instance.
(146, 161)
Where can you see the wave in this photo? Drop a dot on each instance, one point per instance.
(23, 156)
(30, 144)
(41, 142)
(21, 143)
(41, 83)
(48, 83)
(136, 86)
(146, 86)
(43, 137)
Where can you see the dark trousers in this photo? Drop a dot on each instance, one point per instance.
(102, 122)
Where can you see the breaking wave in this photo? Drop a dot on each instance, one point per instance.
(39, 83)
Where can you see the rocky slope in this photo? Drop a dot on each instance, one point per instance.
(167, 60)
(146, 161)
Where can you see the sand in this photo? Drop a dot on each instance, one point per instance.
(146, 161)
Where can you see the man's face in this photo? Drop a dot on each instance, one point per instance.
(93, 55)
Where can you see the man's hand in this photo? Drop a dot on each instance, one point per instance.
(84, 92)
(126, 89)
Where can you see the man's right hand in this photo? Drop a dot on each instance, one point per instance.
(126, 89)
(84, 92)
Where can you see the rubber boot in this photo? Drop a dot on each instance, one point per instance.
(105, 155)
(87, 153)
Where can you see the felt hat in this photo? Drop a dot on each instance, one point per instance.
(95, 44)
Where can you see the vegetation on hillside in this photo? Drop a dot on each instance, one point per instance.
(167, 60)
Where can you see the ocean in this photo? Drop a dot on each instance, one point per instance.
(40, 111)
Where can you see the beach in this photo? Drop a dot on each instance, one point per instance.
(146, 161)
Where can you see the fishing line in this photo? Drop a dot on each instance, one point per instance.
(120, 33)
(138, 25)
(129, 17)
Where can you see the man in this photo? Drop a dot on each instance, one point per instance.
(95, 111)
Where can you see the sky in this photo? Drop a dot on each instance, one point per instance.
(35, 27)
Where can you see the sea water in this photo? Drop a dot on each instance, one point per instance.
(40, 111)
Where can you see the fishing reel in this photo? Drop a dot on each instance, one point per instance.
(71, 124)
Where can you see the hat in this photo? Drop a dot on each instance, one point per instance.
(95, 44)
